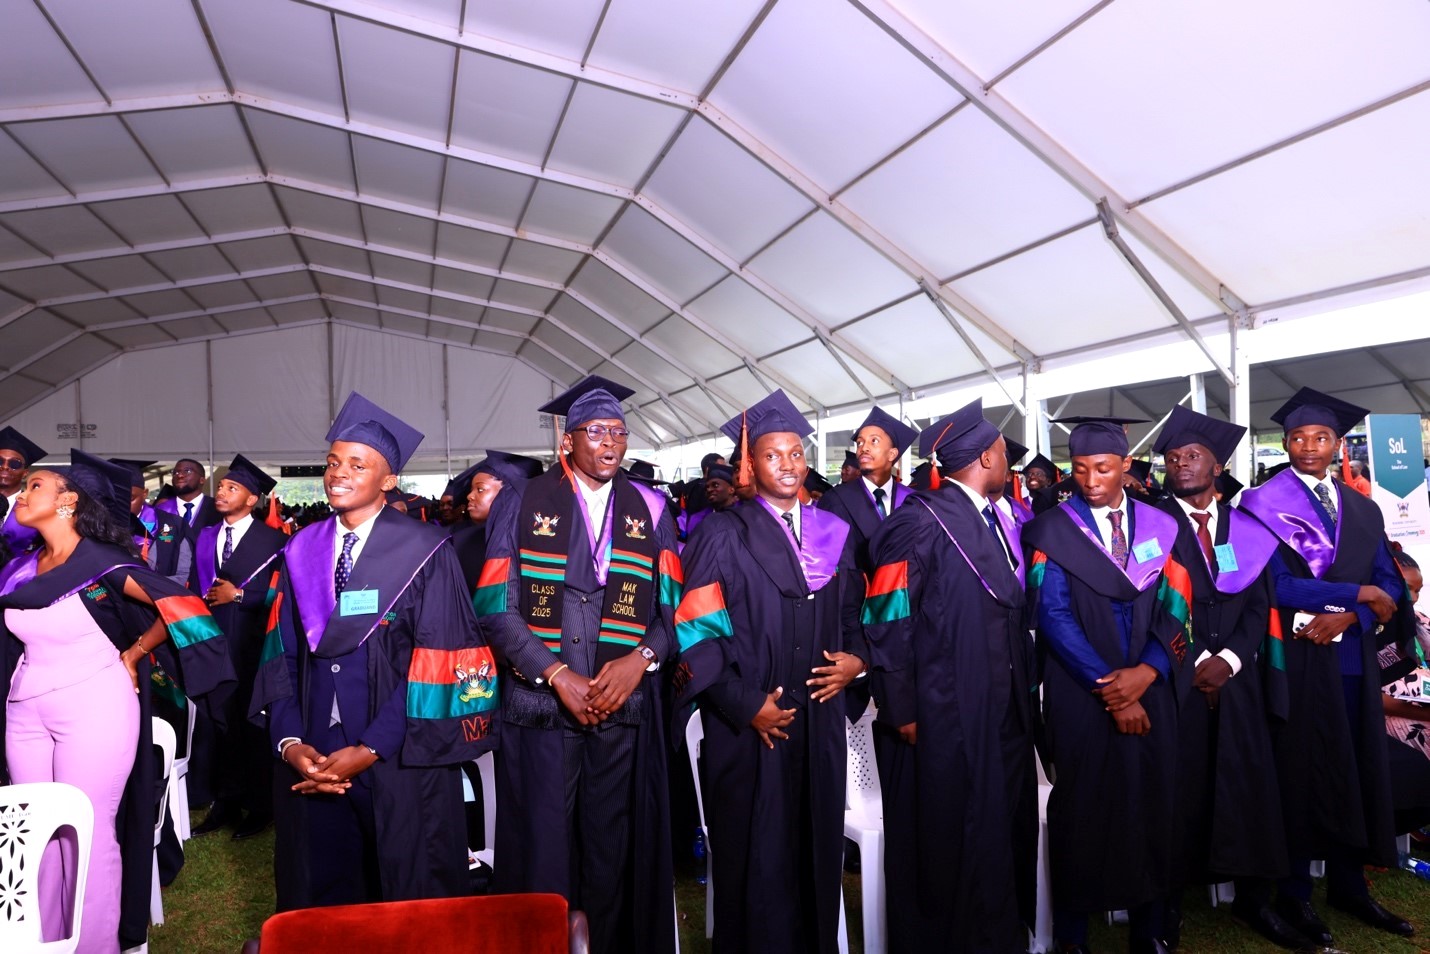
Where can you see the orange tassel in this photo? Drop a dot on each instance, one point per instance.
(1018, 487)
(747, 466)
(935, 480)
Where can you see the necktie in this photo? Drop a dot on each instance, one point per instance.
(345, 563)
(992, 522)
(227, 544)
(4, 506)
(789, 522)
(1324, 495)
(879, 502)
(1204, 537)
(189, 513)
(1119, 539)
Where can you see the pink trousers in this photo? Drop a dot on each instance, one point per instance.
(85, 735)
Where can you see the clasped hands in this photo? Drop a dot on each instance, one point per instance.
(771, 720)
(327, 774)
(1120, 691)
(592, 701)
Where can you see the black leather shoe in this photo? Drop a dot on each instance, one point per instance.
(1172, 931)
(219, 815)
(252, 824)
(1364, 907)
(1270, 925)
(1152, 946)
(1303, 919)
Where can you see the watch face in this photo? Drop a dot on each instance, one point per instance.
(648, 653)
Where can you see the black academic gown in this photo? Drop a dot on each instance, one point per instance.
(1335, 781)
(853, 504)
(415, 785)
(1229, 802)
(205, 516)
(1113, 800)
(202, 669)
(470, 542)
(955, 656)
(775, 815)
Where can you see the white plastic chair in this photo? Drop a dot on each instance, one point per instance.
(1042, 934)
(30, 814)
(164, 738)
(864, 825)
(180, 806)
(486, 768)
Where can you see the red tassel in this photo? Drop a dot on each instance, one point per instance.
(1018, 487)
(746, 475)
(934, 480)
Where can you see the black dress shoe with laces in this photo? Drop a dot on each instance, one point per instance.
(1364, 907)
(253, 824)
(219, 815)
(1304, 919)
(1270, 925)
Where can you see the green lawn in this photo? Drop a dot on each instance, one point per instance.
(226, 890)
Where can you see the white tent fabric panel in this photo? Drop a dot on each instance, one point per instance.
(493, 405)
(270, 391)
(173, 420)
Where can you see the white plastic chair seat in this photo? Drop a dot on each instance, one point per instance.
(180, 806)
(864, 825)
(1042, 939)
(30, 814)
(164, 738)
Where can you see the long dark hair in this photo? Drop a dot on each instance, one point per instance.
(92, 519)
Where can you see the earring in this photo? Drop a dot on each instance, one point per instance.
(65, 512)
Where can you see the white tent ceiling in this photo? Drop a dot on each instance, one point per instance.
(851, 199)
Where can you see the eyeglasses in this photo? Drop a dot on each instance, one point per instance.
(13, 463)
(598, 432)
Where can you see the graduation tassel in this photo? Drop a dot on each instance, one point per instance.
(1018, 487)
(935, 480)
(747, 466)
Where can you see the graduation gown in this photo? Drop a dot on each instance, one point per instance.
(1229, 801)
(165, 542)
(951, 651)
(1113, 799)
(758, 614)
(470, 542)
(205, 516)
(533, 845)
(393, 666)
(195, 655)
(18, 537)
(1335, 780)
(854, 504)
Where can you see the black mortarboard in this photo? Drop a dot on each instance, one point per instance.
(1016, 451)
(1228, 486)
(1309, 406)
(773, 414)
(722, 472)
(592, 398)
(363, 422)
(644, 472)
(105, 481)
(1098, 435)
(246, 474)
(459, 486)
(1039, 462)
(136, 469)
(919, 479)
(851, 459)
(1141, 470)
(900, 433)
(1185, 426)
(509, 468)
(958, 438)
(13, 440)
(816, 483)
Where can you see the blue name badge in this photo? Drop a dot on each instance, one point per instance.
(357, 603)
(1225, 558)
(1147, 550)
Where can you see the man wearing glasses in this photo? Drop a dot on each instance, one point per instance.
(578, 597)
(190, 501)
(17, 453)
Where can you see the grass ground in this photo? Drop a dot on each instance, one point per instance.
(226, 890)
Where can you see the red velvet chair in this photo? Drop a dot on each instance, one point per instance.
(490, 924)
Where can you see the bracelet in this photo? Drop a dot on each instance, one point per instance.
(552, 679)
(140, 643)
(287, 744)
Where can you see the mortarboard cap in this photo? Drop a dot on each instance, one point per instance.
(136, 469)
(1016, 451)
(1141, 470)
(13, 440)
(1185, 426)
(1228, 486)
(920, 478)
(461, 485)
(773, 414)
(509, 468)
(104, 481)
(1039, 462)
(816, 483)
(959, 438)
(851, 459)
(363, 422)
(900, 433)
(722, 472)
(643, 471)
(1092, 436)
(246, 474)
(592, 398)
(1309, 406)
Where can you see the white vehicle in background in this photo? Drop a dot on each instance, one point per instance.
(1270, 456)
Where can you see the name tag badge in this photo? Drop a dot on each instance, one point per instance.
(1225, 558)
(1147, 550)
(357, 602)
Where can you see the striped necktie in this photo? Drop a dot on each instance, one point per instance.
(1119, 539)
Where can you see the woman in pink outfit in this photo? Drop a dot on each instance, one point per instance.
(81, 618)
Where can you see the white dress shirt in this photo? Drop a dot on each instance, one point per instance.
(181, 503)
(888, 489)
(1102, 517)
(979, 502)
(1231, 658)
(595, 502)
(240, 527)
(363, 531)
(1311, 483)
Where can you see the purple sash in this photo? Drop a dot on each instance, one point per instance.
(1013, 533)
(1285, 507)
(1149, 524)
(311, 556)
(899, 495)
(1253, 545)
(204, 559)
(24, 568)
(821, 544)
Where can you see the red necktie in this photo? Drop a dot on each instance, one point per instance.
(1204, 537)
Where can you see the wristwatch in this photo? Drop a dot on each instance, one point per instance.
(238, 595)
(649, 656)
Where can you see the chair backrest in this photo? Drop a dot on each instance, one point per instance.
(862, 792)
(694, 738)
(164, 738)
(30, 814)
(487, 766)
(182, 758)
